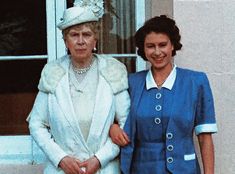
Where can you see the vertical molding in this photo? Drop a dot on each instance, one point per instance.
(148, 7)
(60, 6)
(140, 19)
(51, 37)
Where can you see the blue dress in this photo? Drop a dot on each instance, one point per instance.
(162, 121)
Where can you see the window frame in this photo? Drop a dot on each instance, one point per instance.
(21, 149)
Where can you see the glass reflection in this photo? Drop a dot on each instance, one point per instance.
(23, 28)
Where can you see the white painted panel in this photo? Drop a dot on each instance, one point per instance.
(60, 46)
(15, 150)
(51, 30)
(23, 57)
(140, 19)
(21, 169)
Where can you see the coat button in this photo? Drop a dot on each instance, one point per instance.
(169, 159)
(158, 95)
(169, 135)
(157, 120)
(170, 147)
(158, 107)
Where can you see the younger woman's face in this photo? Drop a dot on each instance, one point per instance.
(158, 50)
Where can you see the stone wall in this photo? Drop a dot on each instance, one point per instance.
(208, 36)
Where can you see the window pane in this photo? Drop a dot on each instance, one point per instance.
(19, 80)
(130, 63)
(23, 27)
(117, 27)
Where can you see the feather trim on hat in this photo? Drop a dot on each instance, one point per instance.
(97, 6)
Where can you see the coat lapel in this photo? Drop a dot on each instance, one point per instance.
(103, 104)
(137, 84)
(65, 101)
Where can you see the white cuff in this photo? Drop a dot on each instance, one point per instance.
(203, 128)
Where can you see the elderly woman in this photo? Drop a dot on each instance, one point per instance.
(168, 104)
(80, 96)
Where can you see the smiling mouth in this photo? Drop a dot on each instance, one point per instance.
(159, 59)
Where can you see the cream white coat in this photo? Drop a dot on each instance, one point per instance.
(52, 119)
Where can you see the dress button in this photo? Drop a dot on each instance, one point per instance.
(158, 95)
(157, 120)
(170, 147)
(170, 160)
(158, 107)
(169, 135)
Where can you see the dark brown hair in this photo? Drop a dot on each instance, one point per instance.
(158, 24)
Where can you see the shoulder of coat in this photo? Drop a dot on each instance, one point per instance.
(114, 72)
(51, 75)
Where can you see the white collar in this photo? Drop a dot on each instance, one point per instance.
(150, 83)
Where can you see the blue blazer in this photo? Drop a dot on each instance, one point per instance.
(161, 123)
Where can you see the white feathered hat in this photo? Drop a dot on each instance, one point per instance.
(82, 12)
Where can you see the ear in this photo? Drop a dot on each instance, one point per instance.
(95, 43)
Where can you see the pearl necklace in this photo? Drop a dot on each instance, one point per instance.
(82, 70)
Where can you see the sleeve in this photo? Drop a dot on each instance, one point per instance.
(122, 105)
(205, 112)
(127, 151)
(107, 153)
(130, 129)
(40, 129)
(136, 84)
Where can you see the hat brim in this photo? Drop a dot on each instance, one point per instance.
(77, 15)
(66, 24)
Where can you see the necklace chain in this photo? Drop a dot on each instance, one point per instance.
(160, 84)
(82, 70)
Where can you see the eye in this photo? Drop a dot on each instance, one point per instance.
(149, 46)
(163, 44)
(73, 34)
(88, 34)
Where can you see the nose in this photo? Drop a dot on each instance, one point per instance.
(81, 40)
(157, 51)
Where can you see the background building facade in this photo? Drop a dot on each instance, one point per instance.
(208, 37)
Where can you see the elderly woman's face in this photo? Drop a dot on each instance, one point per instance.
(158, 50)
(80, 40)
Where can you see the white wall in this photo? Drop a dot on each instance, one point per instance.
(208, 37)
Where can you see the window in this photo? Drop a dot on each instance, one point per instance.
(28, 39)
(22, 28)
(23, 36)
